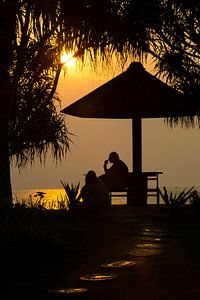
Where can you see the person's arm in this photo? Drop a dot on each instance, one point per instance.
(105, 166)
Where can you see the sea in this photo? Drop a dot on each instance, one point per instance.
(56, 198)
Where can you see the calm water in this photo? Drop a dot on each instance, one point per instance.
(56, 198)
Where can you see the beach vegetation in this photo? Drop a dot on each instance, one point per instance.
(72, 192)
(61, 203)
(39, 202)
(175, 200)
(195, 201)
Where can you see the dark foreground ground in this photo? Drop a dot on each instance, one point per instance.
(62, 248)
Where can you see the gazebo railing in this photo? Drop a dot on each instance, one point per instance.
(139, 188)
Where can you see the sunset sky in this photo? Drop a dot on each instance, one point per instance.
(174, 151)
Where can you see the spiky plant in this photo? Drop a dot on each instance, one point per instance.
(72, 191)
(175, 200)
(195, 201)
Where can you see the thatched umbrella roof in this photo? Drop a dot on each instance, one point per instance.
(134, 94)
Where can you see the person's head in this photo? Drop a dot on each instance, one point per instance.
(90, 177)
(113, 157)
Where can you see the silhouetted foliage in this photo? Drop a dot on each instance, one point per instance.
(168, 30)
(72, 191)
(35, 124)
(195, 201)
(173, 201)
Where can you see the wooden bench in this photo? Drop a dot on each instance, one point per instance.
(151, 187)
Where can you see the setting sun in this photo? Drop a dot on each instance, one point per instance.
(67, 59)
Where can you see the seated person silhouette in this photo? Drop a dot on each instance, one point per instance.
(115, 177)
(94, 193)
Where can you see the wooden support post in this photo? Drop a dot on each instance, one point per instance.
(137, 145)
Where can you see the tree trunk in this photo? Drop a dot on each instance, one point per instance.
(5, 181)
(7, 33)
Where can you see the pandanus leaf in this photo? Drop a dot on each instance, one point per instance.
(176, 200)
(71, 192)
